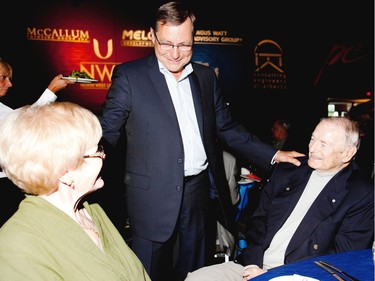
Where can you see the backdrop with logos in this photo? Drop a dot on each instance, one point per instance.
(274, 60)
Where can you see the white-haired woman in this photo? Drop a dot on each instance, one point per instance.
(11, 196)
(51, 153)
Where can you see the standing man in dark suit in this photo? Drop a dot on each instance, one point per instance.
(173, 113)
(324, 206)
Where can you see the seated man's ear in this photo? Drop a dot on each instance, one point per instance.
(349, 153)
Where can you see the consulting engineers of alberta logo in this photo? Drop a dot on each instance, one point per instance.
(269, 73)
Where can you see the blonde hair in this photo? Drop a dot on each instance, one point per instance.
(5, 68)
(38, 144)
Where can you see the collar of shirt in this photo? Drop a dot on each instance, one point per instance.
(187, 70)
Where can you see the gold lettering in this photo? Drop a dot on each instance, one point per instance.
(97, 70)
(130, 43)
(127, 34)
(136, 35)
(109, 49)
(220, 33)
(105, 72)
(203, 32)
(52, 34)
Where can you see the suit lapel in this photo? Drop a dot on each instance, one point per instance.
(162, 90)
(197, 98)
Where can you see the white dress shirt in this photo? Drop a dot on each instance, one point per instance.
(180, 91)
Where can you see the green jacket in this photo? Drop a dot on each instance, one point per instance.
(40, 242)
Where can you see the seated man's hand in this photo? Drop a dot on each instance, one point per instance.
(252, 271)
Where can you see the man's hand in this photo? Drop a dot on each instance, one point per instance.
(288, 156)
(252, 271)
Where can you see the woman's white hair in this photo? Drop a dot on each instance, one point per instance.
(38, 144)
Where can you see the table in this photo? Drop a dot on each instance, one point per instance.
(357, 263)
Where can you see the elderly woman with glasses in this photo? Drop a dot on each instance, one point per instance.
(10, 196)
(51, 153)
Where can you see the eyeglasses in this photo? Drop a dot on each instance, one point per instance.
(167, 46)
(98, 154)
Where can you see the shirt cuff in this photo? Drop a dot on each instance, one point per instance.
(273, 162)
(47, 97)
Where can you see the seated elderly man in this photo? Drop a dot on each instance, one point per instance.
(324, 206)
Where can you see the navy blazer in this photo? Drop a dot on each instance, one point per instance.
(340, 219)
(139, 101)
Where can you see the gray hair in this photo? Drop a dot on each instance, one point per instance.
(350, 128)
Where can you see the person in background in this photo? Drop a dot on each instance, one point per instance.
(51, 153)
(363, 114)
(279, 132)
(225, 238)
(173, 112)
(280, 140)
(7, 190)
(324, 206)
(6, 74)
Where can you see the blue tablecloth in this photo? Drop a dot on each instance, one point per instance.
(358, 263)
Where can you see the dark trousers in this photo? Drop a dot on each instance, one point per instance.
(187, 249)
(11, 196)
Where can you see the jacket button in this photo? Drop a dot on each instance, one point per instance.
(315, 247)
(178, 188)
(180, 161)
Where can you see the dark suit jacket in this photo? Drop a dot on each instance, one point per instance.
(340, 219)
(139, 99)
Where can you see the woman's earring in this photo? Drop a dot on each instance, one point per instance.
(72, 185)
